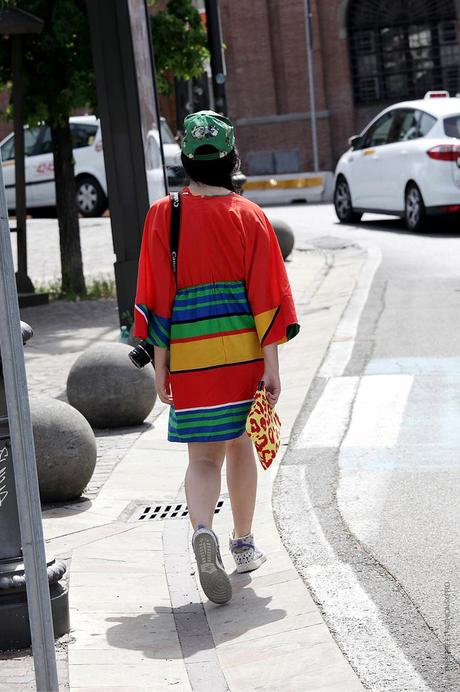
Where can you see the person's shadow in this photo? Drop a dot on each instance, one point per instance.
(155, 634)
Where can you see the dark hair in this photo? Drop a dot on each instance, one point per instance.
(217, 172)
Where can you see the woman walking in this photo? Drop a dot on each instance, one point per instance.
(215, 325)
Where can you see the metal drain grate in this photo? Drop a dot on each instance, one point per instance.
(166, 511)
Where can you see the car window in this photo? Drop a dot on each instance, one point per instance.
(31, 135)
(45, 144)
(30, 142)
(425, 124)
(167, 136)
(378, 133)
(153, 154)
(82, 134)
(406, 126)
(411, 124)
(8, 150)
(452, 126)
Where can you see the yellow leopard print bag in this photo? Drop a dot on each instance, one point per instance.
(263, 427)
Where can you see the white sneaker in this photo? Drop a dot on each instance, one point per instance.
(211, 571)
(246, 554)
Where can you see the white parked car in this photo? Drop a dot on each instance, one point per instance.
(89, 165)
(405, 163)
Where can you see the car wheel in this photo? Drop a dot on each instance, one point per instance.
(342, 203)
(414, 209)
(91, 200)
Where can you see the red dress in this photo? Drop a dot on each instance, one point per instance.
(232, 297)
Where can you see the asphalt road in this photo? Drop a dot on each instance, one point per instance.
(379, 451)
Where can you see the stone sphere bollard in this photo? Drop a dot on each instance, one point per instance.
(65, 449)
(108, 389)
(285, 237)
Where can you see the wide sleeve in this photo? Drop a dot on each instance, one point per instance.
(156, 286)
(267, 284)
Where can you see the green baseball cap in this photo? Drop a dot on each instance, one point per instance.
(210, 129)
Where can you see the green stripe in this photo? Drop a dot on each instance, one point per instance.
(205, 434)
(192, 306)
(211, 423)
(191, 415)
(160, 327)
(186, 294)
(211, 326)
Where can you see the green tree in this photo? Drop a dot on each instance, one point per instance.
(180, 43)
(59, 78)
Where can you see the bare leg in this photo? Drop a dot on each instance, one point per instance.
(202, 480)
(242, 483)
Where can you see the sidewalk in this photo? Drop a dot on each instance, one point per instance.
(139, 620)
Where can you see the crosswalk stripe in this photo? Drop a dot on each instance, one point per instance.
(378, 411)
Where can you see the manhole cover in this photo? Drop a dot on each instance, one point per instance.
(158, 511)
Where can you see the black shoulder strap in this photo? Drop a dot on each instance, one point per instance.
(175, 229)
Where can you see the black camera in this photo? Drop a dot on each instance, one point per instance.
(142, 354)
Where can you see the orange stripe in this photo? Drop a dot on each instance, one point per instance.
(210, 336)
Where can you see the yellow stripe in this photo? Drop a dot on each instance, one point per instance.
(273, 183)
(263, 320)
(220, 350)
(368, 152)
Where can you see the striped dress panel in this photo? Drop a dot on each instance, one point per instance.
(212, 327)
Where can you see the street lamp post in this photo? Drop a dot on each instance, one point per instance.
(311, 82)
(216, 56)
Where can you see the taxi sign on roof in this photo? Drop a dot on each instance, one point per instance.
(437, 95)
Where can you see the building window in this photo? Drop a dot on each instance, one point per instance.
(402, 48)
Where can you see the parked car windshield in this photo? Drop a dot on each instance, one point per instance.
(452, 126)
(30, 141)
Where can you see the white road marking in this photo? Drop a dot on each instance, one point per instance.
(341, 596)
(378, 411)
(327, 423)
(342, 344)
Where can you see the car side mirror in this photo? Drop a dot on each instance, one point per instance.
(355, 141)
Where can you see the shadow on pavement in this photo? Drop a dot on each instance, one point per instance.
(450, 228)
(244, 613)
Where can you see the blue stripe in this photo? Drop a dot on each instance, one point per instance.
(214, 296)
(207, 311)
(207, 428)
(215, 438)
(159, 330)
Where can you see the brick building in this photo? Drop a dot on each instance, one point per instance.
(367, 53)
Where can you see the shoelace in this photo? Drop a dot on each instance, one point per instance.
(238, 543)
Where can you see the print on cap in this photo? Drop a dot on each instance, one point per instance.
(207, 128)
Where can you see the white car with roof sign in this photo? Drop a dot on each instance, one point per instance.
(406, 163)
(89, 165)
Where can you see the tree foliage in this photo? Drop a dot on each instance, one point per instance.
(180, 43)
(58, 78)
(58, 68)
